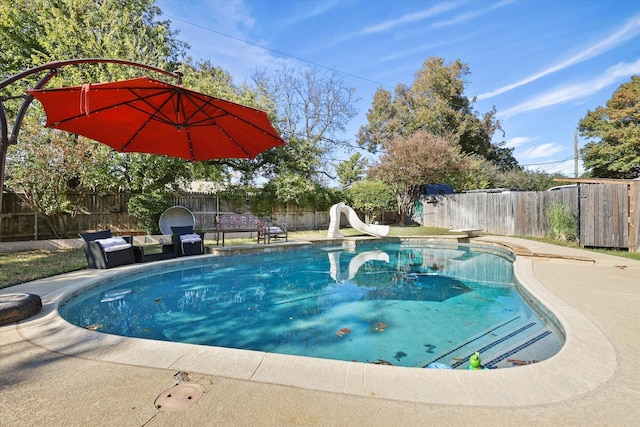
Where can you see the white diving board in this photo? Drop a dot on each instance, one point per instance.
(470, 232)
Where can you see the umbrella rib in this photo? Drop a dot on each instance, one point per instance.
(126, 144)
(157, 110)
(247, 122)
(158, 114)
(200, 108)
(234, 141)
(207, 122)
(193, 155)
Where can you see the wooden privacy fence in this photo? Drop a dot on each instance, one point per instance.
(509, 213)
(606, 212)
(102, 211)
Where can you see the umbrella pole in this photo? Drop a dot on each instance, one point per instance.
(4, 144)
(4, 139)
(3, 160)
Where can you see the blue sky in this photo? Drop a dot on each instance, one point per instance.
(542, 64)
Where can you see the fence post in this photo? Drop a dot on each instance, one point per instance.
(579, 215)
(632, 192)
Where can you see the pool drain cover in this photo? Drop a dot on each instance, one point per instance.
(179, 397)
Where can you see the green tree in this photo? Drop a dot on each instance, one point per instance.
(502, 156)
(66, 29)
(370, 196)
(435, 103)
(311, 110)
(147, 208)
(528, 180)
(293, 189)
(43, 170)
(351, 170)
(616, 128)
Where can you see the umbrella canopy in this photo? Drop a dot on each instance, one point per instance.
(145, 115)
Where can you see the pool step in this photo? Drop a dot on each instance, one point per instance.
(476, 342)
(498, 344)
(535, 348)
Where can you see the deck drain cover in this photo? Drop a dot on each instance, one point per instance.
(179, 397)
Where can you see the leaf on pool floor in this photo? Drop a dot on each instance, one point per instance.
(343, 331)
(518, 362)
(399, 355)
(429, 348)
(381, 362)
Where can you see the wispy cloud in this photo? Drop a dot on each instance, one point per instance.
(232, 16)
(463, 17)
(519, 140)
(391, 24)
(397, 56)
(574, 91)
(541, 151)
(564, 167)
(411, 17)
(314, 10)
(628, 31)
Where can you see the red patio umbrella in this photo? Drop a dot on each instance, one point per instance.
(145, 115)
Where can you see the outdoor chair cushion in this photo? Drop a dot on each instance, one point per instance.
(189, 243)
(274, 232)
(190, 238)
(113, 244)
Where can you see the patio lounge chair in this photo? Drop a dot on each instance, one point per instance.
(186, 241)
(275, 232)
(103, 250)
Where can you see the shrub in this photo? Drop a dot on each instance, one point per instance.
(147, 208)
(562, 222)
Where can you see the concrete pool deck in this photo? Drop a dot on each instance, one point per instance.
(55, 373)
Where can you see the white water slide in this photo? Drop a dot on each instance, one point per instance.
(334, 226)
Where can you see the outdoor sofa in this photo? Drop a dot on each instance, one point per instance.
(186, 241)
(103, 250)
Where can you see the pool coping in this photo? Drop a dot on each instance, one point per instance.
(564, 376)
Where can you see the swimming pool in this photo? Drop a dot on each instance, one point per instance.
(401, 303)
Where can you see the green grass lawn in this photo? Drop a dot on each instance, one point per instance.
(20, 267)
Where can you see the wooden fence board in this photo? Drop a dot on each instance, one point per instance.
(634, 217)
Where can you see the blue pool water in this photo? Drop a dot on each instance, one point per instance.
(407, 304)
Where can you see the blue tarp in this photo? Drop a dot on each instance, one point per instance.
(436, 189)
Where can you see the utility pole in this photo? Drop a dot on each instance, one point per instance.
(575, 153)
